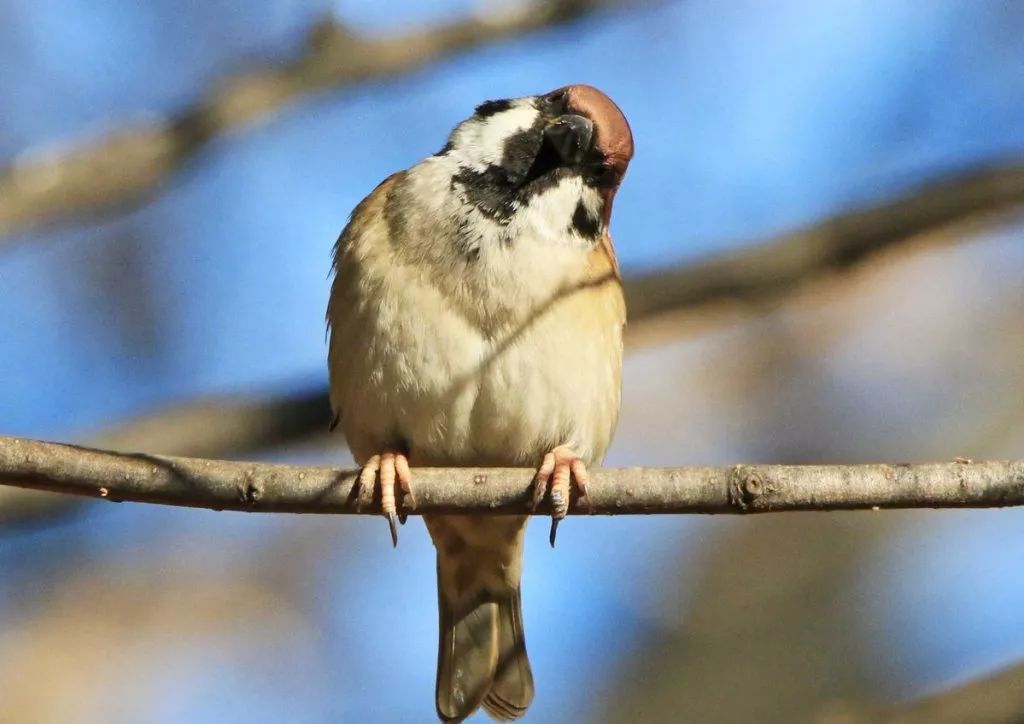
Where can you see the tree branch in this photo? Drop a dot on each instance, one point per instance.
(266, 487)
(207, 427)
(124, 167)
(237, 424)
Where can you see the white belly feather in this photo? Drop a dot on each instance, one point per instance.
(432, 379)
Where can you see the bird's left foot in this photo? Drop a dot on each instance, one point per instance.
(559, 469)
(389, 467)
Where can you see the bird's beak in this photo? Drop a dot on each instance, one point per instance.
(571, 136)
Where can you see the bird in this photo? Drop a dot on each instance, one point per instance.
(475, 319)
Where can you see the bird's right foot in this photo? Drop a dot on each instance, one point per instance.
(556, 473)
(389, 467)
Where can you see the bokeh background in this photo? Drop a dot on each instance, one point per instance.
(751, 119)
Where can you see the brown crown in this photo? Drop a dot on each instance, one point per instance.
(612, 137)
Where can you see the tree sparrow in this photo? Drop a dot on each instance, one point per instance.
(476, 319)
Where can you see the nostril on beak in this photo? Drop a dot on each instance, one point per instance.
(571, 136)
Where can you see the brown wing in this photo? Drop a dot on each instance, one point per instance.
(367, 215)
(604, 275)
(602, 258)
(366, 230)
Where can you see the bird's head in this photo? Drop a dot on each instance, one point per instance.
(546, 165)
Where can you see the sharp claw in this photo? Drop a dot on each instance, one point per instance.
(393, 524)
(384, 469)
(557, 505)
(558, 511)
(561, 473)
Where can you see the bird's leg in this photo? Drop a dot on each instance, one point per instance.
(559, 468)
(389, 466)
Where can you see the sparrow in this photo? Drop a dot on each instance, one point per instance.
(475, 319)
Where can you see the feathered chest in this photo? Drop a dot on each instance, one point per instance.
(497, 254)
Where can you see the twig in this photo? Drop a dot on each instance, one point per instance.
(124, 167)
(208, 427)
(265, 487)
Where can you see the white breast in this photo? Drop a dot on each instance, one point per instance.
(488, 362)
(456, 396)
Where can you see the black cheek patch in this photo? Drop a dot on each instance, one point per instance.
(489, 108)
(519, 153)
(584, 222)
(487, 190)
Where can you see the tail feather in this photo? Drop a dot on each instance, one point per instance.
(467, 658)
(512, 690)
(482, 651)
(501, 710)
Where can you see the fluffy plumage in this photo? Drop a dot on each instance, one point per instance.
(476, 319)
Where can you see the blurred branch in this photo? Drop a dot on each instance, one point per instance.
(994, 699)
(767, 601)
(122, 168)
(266, 487)
(834, 244)
(222, 425)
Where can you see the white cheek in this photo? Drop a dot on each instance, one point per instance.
(547, 219)
(538, 251)
(481, 142)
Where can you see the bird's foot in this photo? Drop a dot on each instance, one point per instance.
(389, 467)
(556, 473)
